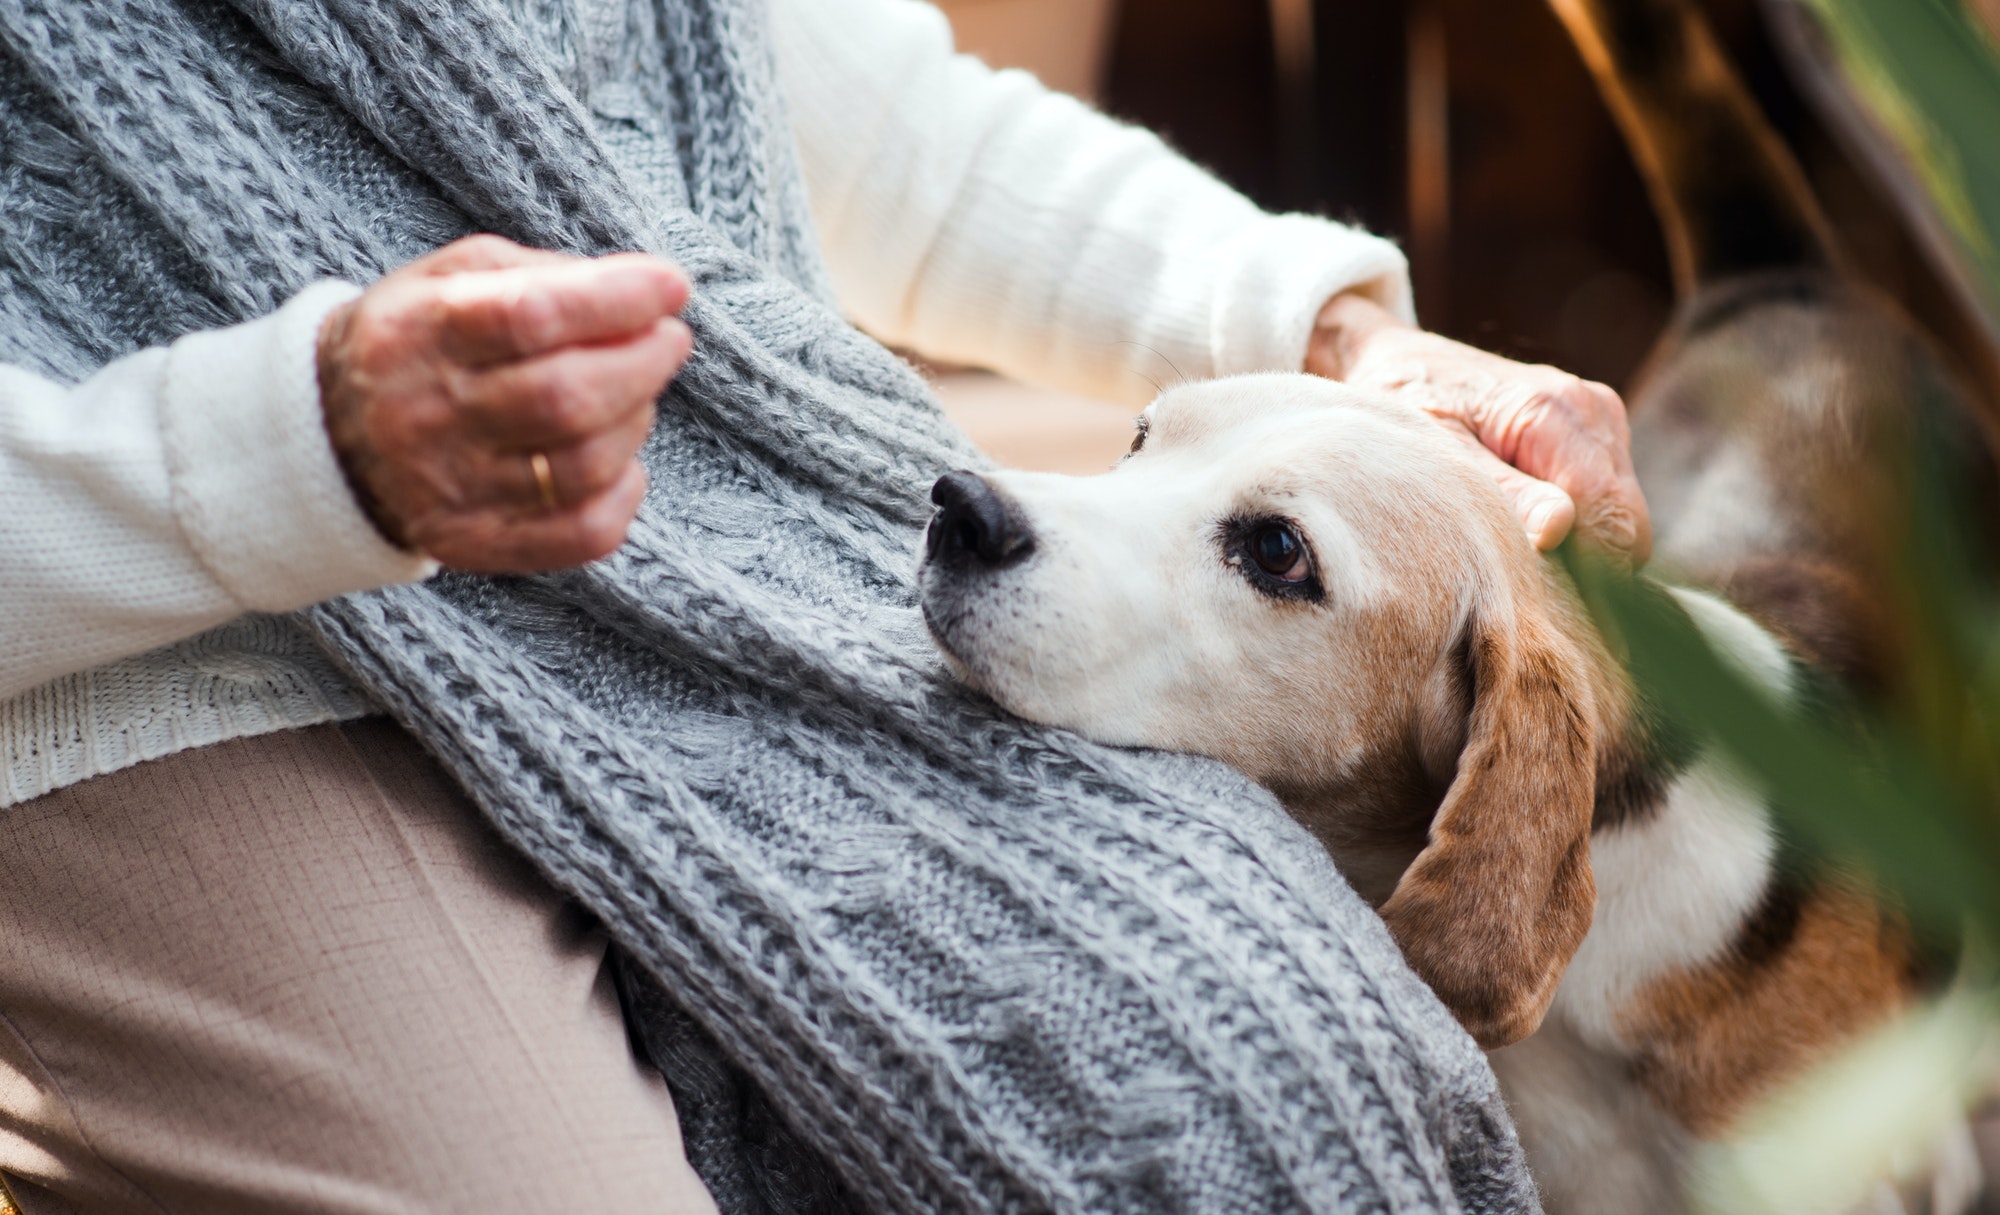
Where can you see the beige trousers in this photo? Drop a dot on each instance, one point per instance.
(300, 973)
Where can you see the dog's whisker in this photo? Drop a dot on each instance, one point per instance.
(1180, 376)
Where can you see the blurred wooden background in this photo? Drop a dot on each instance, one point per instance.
(1466, 129)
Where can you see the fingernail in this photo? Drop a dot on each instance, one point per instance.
(1542, 518)
(1538, 518)
(670, 276)
(679, 330)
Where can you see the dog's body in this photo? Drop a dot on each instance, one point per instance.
(1428, 698)
(1319, 588)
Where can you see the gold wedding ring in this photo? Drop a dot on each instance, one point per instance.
(545, 480)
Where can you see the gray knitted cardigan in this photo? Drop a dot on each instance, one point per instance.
(894, 951)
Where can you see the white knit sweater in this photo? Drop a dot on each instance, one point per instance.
(154, 518)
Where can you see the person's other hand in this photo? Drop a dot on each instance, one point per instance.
(1558, 445)
(487, 402)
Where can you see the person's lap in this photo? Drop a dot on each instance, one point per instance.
(299, 973)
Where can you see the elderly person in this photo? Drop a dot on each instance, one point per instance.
(337, 883)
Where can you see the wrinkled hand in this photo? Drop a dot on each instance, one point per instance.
(443, 381)
(1558, 446)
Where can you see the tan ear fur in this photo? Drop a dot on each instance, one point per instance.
(1496, 904)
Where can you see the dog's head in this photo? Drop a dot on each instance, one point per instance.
(1319, 587)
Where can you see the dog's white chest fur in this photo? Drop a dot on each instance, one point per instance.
(1674, 889)
(1672, 893)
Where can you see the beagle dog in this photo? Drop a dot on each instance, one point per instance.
(1317, 586)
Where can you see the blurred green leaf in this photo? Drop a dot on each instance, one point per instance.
(1880, 804)
(1907, 789)
(1887, 1108)
(1927, 71)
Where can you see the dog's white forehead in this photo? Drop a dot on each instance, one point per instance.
(1374, 464)
(1285, 410)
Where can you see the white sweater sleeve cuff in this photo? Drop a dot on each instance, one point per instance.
(1277, 276)
(257, 489)
(976, 217)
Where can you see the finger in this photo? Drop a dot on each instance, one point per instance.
(500, 315)
(577, 473)
(1612, 515)
(500, 542)
(1592, 466)
(1546, 512)
(1572, 434)
(563, 398)
(484, 251)
(1618, 517)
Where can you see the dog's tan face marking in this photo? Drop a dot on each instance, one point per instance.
(1303, 580)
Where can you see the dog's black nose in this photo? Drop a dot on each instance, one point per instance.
(975, 523)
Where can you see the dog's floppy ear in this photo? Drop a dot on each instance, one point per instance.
(1491, 911)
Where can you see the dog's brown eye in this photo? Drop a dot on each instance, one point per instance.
(1271, 554)
(1277, 550)
(1143, 427)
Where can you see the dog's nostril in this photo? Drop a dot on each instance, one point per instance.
(974, 521)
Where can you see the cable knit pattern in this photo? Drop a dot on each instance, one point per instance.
(897, 951)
